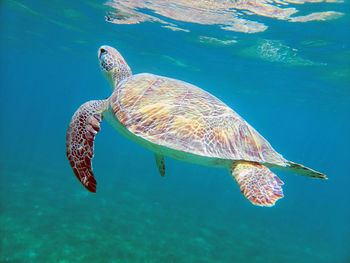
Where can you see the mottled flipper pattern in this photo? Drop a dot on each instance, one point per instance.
(160, 163)
(257, 183)
(81, 133)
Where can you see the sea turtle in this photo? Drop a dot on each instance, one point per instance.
(179, 120)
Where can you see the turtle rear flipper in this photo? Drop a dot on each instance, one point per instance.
(301, 170)
(80, 138)
(257, 183)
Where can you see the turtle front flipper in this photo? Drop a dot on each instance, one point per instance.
(160, 163)
(257, 183)
(81, 133)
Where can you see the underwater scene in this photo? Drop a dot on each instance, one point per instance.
(282, 65)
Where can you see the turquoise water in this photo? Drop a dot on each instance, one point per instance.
(291, 82)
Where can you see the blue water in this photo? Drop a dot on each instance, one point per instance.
(291, 82)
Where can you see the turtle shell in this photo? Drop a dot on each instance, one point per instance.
(181, 116)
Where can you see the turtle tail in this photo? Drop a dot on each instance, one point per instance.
(302, 170)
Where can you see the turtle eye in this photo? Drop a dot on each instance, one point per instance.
(103, 52)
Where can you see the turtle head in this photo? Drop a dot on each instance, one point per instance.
(113, 65)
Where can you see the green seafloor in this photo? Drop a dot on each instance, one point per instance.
(291, 82)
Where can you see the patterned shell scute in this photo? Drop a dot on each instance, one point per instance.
(183, 117)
